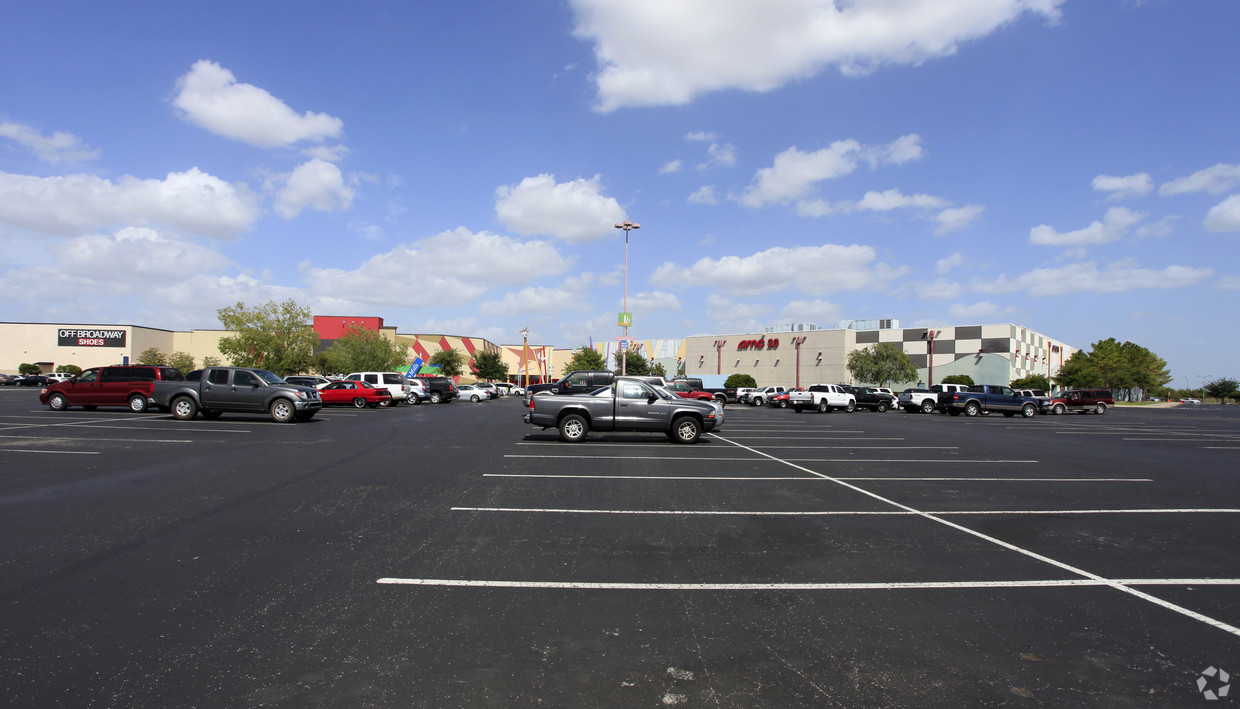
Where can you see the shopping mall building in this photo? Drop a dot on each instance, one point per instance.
(789, 355)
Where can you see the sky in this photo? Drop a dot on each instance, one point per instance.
(1071, 166)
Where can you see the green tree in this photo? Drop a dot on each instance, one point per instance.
(363, 350)
(210, 361)
(69, 369)
(658, 370)
(958, 379)
(635, 364)
(586, 359)
(152, 355)
(183, 361)
(880, 364)
(450, 362)
(1035, 381)
(740, 380)
(1221, 388)
(27, 369)
(274, 336)
(490, 366)
(1078, 372)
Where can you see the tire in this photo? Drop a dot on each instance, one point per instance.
(211, 414)
(972, 408)
(359, 402)
(1028, 411)
(137, 404)
(798, 408)
(756, 402)
(475, 398)
(1100, 409)
(184, 408)
(783, 404)
(436, 397)
(927, 407)
(851, 406)
(686, 429)
(824, 407)
(882, 407)
(282, 411)
(721, 399)
(574, 428)
(1058, 410)
(386, 402)
(57, 402)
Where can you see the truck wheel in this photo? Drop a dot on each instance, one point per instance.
(756, 401)
(282, 411)
(783, 404)
(57, 402)
(1028, 411)
(824, 407)
(927, 407)
(686, 429)
(573, 428)
(721, 399)
(211, 414)
(798, 408)
(972, 408)
(1100, 409)
(436, 397)
(851, 406)
(359, 402)
(882, 407)
(184, 408)
(1059, 409)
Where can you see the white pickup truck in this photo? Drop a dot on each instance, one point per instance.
(925, 400)
(823, 397)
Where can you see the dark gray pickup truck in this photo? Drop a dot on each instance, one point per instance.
(629, 404)
(984, 398)
(216, 390)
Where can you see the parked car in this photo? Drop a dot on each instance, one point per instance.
(131, 386)
(308, 380)
(417, 390)
(441, 389)
(984, 398)
(394, 382)
(34, 380)
(1082, 401)
(1190, 401)
(472, 392)
(352, 393)
(9, 379)
(58, 376)
(241, 389)
(780, 400)
(684, 390)
(824, 398)
(872, 399)
(760, 397)
(489, 388)
(629, 404)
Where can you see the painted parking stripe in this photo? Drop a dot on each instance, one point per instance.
(862, 586)
(31, 450)
(109, 440)
(815, 479)
(773, 458)
(835, 513)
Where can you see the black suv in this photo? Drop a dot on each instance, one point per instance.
(440, 389)
(582, 382)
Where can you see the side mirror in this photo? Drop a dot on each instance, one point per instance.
(651, 399)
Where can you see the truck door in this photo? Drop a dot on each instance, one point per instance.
(214, 389)
(248, 391)
(635, 411)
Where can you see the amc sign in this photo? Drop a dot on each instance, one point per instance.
(72, 337)
(763, 344)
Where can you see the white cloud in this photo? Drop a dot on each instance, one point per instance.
(1214, 180)
(1087, 277)
(330, 153)
(194, 201)
(944, 265)
(1137, 185)
(894, 199)
(316, 184)
(794, 172)
(818, 208)
(701, 136)
(452, 267)
(1227, 282)
(651, 52)
(938, 289)
(535, 300)
(722, 309)
(195, 300)
(977, 312)
(656, 301)
(956, 218)
(704, 195)
(1224, 216)
(209, 96)
(805, 268)
(56, 148)
(669, 167)
(1160, 229)
(719, 156)
(1115, 223)
(819, 312)
(574, 211)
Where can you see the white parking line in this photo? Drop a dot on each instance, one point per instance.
(816, 479)
(4, 449)
(863, 586)
(108, 440)
(836, 513)
(954, 461)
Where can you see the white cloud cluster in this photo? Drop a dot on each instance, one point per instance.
(1115, 223)
(1087, 277)
(316, 184)
(653, 52)
(795, 172)
(74, 204)
(574, 211)
(1126, 187)
(56, 148)
(811, 269)
(535, 300)
(1214, 180)
(209, 96)
(1224, 216)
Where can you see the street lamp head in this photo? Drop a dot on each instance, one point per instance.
(627, 225)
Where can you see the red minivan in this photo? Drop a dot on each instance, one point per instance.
(130, 386)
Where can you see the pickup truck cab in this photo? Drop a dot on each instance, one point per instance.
(984, 398)
(216, 390)
(629, 404)
(925, 400)
(824, 398)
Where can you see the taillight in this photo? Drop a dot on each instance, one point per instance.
(531, 403)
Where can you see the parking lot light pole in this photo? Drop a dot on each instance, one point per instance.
(929, 338)
(627, 226)
(525, 355)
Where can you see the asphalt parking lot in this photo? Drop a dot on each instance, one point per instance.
(454, 556)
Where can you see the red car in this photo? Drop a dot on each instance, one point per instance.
(684, 391)
(357, 394)
(780, 400)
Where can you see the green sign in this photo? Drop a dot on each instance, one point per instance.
(625, 320)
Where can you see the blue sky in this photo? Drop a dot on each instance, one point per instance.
(1070, 166)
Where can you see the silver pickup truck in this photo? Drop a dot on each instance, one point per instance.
(629, 404)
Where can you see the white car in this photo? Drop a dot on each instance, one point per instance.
(58, 376)
(489, 388)
(472, 392)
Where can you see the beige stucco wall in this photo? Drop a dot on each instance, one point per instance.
(770, 367)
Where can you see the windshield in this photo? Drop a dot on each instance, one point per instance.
(267, 376)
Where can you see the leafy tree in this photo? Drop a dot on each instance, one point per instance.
(490, 366)
(1035, 381)
(210, 361)
(1125, 367)
(958, 379)
(152, 355)
(881, 363)
(28, 370)
(658, 370)
(636, 364)
(183, 361)
(69, 369)
(1221, 388)
(586, 359)
(1078, 372)
(274, 336)
(450, 362)
(740, 380)
(363, 350)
